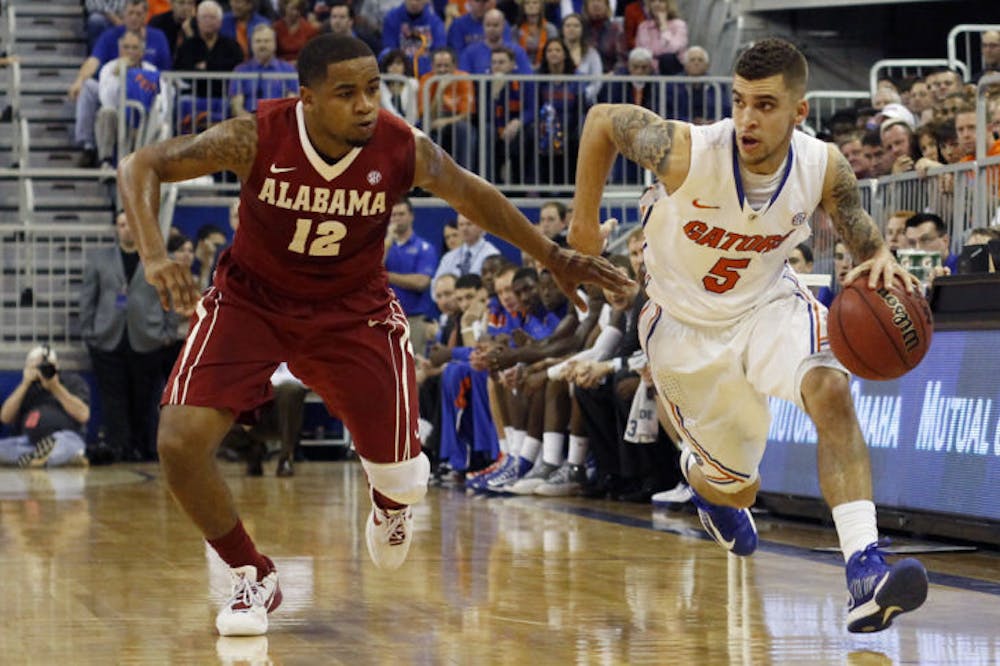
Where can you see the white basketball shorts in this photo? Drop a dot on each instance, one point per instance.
(714, 381)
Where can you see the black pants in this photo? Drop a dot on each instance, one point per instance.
(130, 384)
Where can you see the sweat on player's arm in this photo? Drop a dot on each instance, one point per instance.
(842, 203)
(476, 199)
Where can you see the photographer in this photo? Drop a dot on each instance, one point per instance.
(47, 412)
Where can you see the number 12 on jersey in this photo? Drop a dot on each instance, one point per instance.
(325, 242)
(724, 275)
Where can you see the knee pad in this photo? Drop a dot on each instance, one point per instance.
(404, 482)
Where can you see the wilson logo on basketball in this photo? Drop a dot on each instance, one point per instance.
(900, 319)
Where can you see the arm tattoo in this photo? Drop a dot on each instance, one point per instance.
(643, 137)
(230, 145)
(853, 224)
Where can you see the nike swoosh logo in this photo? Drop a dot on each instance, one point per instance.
(889, 612)
(276, 169)
(694, 203)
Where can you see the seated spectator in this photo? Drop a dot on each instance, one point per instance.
(928, 232)
(843, 262)
(410, 262)
(469, 256)
(293, 29)
(239, 23)
(665, 34)
(989, 43)
(801, 259)
(341, 20)
(245, 93)
(84, 89)
(176, 24)
(450, 238)
(206, 51)
(587, 59)
(635, 12)
(851, 148)
(553, 221)
(370, 17)
(697, 102)
(209, 243)
(898, 140)
(920, 101)
(414, 28)
(477, 57)
(561, 107)
(895, 230)
(468, 28)
(101, 15)
(47, 413)
(513, 112)
(606, 35)
(942, 82)
(399, 95)
(142, 83)
(452, 104)
(533, 31)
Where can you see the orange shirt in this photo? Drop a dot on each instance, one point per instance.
(458, 97)
(157, 7)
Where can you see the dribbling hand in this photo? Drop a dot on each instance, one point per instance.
(882, 268)
(174, 283)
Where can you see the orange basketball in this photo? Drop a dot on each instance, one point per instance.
(879, 333)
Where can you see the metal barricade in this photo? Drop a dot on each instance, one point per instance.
(823, 104)
(898, 68)
(962, 42)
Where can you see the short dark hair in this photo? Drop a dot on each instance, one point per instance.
(176, 242)
(469, 281)
(560, 207)
(807, 252)
(206, 230)
(526, 273)
(774, 56)
(405, 201)
(872, 138)
(921, 218)
(395, 55)
(506, 50)
(342, 3)
(324, 50)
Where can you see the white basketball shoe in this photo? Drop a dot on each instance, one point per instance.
(388, 534)
(245, 614)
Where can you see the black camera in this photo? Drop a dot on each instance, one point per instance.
(47, 368)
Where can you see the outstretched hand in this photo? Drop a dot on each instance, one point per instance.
(174, 283)
(570, 269)
(882, 268)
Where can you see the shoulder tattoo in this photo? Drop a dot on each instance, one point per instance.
(643, 137)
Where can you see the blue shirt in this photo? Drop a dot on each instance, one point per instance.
(466, 30)
(542, 327)
(261, 88)
(157, 48)
(476, 58)
(228, 27)
(415, 36)
(498, 320)
(414, 256)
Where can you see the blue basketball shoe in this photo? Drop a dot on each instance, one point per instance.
(879, 592)
(733, 529)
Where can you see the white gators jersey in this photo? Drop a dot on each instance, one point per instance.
(709, 256)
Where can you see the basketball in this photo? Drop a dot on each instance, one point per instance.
(879, 333)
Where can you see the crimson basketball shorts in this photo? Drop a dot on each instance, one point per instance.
(353, 351)
(715, 381)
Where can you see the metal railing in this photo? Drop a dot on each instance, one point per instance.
(823, 104)
(960, 45)
(899, 68)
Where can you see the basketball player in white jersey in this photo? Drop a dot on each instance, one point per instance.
(728, 324)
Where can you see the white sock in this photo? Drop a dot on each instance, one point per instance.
(503, 444)
(515, 441)
(856, 526)
(577, 450)
(530, 448)
(508, 432)
(553, 444)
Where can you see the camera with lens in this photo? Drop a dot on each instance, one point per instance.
(46, 368)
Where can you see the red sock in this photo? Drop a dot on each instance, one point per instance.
(237, 550)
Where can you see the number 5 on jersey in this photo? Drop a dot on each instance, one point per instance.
(325, 241)
(724, 275)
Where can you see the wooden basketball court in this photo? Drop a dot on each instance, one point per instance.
(100, 567)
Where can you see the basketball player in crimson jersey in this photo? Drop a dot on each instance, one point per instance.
(304, 282)
(728, 324)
